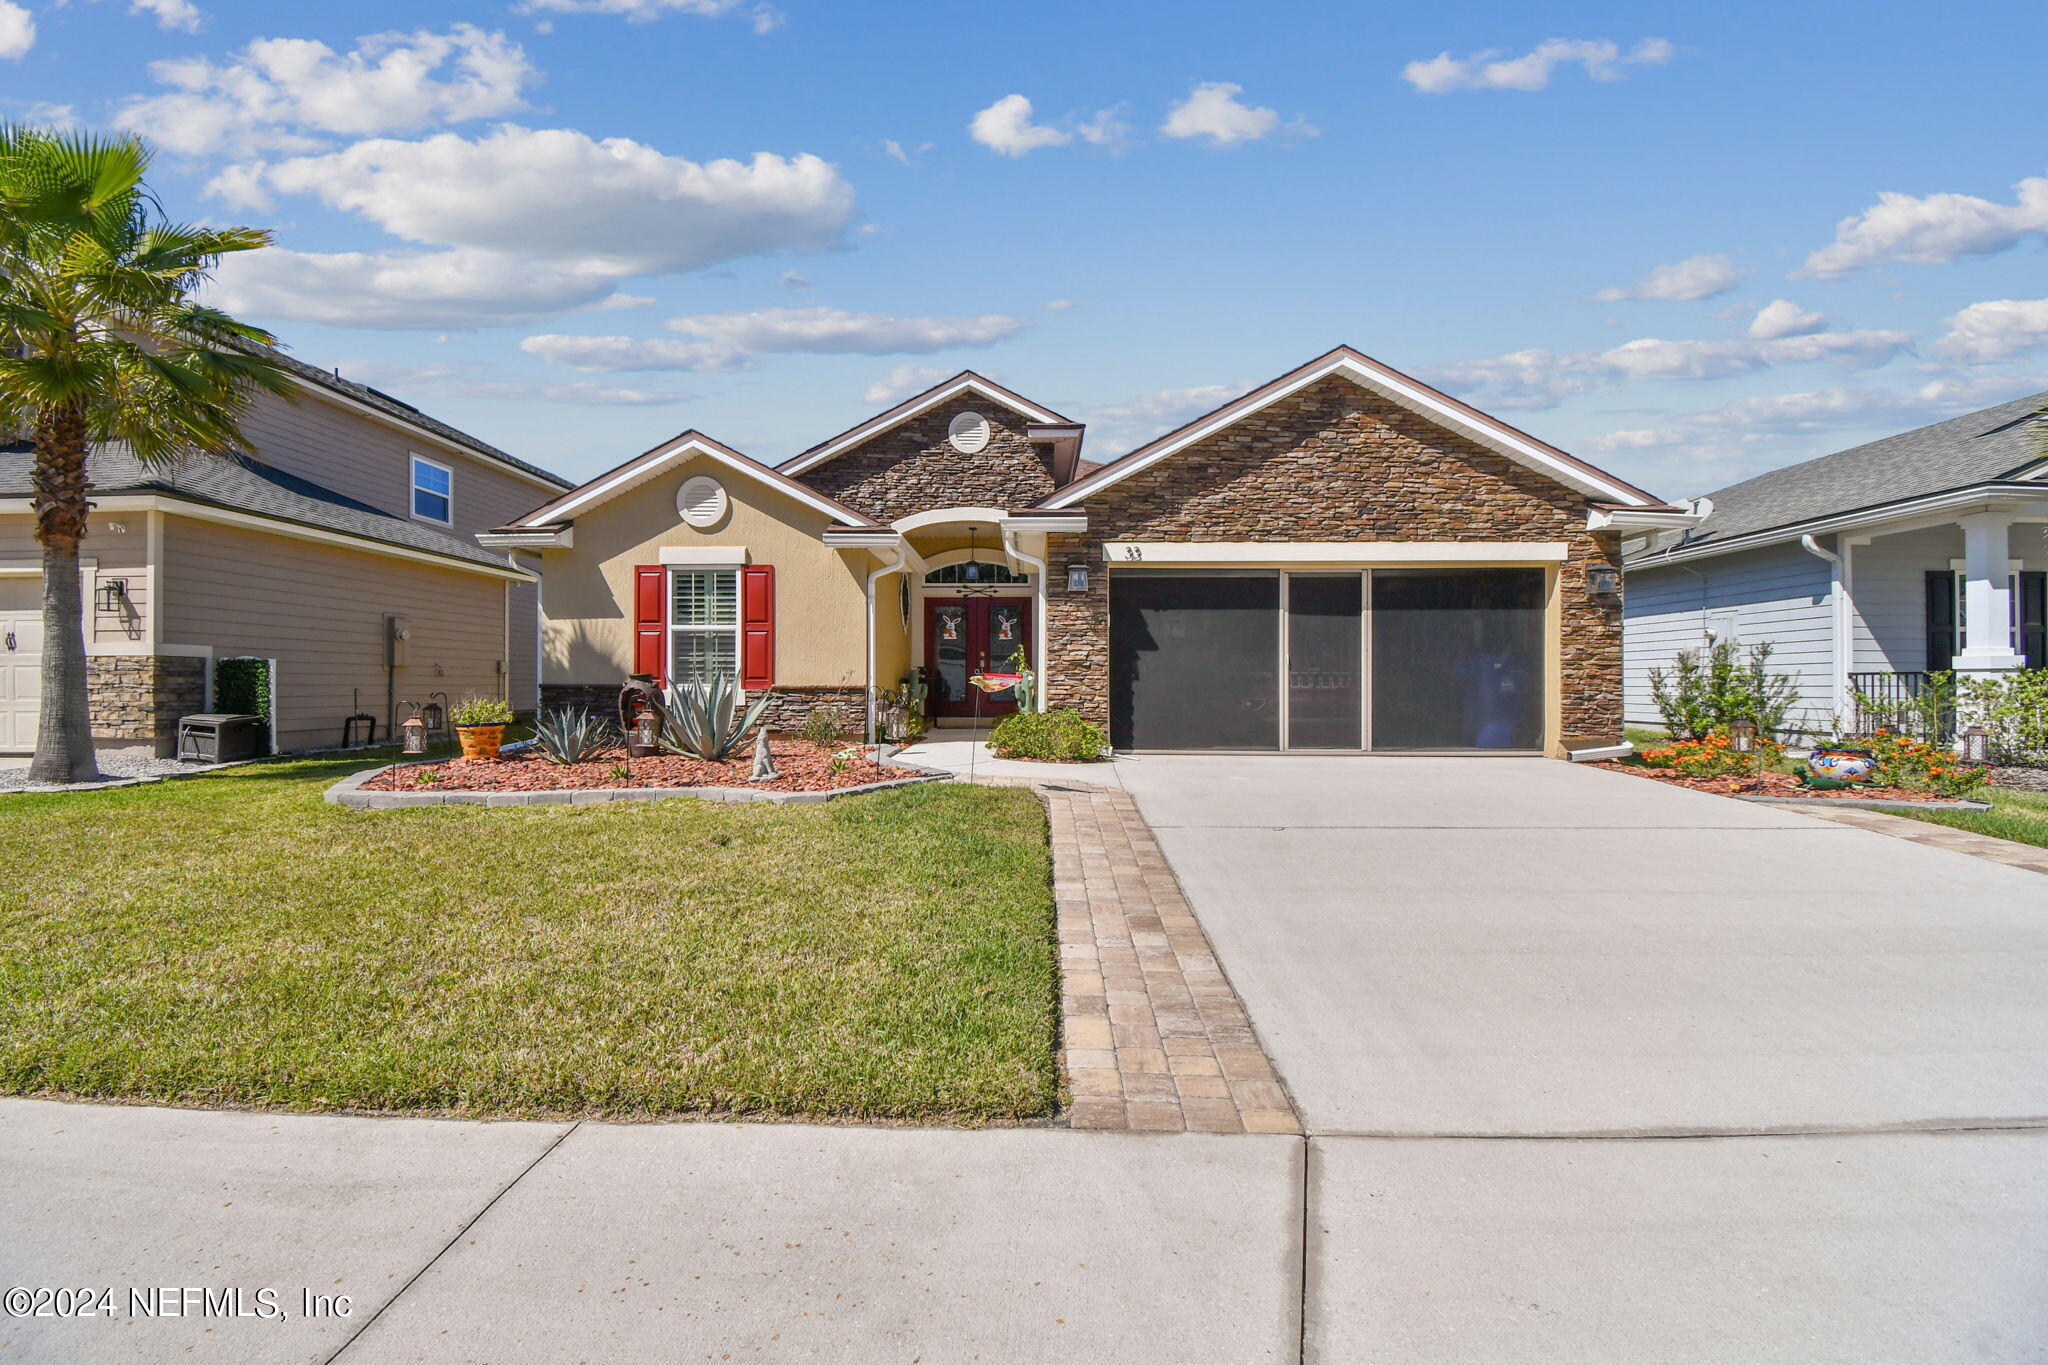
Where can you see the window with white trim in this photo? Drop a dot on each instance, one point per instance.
(703, 624)
(433, 491)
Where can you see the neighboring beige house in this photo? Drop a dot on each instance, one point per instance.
(1343, 560)
(341, 546)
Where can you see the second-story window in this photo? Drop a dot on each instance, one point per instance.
(433, 491)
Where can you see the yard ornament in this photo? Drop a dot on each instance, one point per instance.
(764, 762)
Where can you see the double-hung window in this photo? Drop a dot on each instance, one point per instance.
(433, 491)
(703, 624)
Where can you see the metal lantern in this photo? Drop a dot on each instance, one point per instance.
(111, 596)
(414, 730)
(1976, 745)
(1742, 736)
(1603, 580)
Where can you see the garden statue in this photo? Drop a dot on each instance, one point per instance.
(764, 762)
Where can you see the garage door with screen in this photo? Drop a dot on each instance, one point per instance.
(1194, 660)
(1457, 658)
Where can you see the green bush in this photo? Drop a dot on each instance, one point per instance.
(241, 687)
(482, 711)
(1055, 736)
(2013, 710)
(1708, 692)
(824, 725)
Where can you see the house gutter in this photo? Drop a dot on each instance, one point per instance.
(1839, 607)
(2001, 494)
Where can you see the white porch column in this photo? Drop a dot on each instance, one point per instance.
(1987, 596)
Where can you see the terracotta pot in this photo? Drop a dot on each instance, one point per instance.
(480, 741)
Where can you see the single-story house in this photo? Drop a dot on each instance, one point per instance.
(1342, 560)
(340, 546)
(1865, 570)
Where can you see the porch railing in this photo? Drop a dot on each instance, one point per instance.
(1910, 703)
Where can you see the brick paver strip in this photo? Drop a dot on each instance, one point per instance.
(1156, 1039)
(1984, 846)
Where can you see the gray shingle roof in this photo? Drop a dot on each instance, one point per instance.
(247, 485)
(1973, 448)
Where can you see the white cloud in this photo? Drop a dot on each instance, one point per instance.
(279, 94)
(474, 381)
(1058, 305)
(1005, 128)
(1930, 230)
(1695, 277)
(729, 341)
(431, 290)
(1537, 379)
(17, 31)
(796, 279)
(903, 381)
(182, 15)
(1784, 318)
(1105, 129)
(766, 18)
(1118, 427)
(559, 196)
(1996, 329)
(1602, 59)
(896, 151)
(1214, 112)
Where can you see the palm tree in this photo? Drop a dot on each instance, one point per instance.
(101, 340)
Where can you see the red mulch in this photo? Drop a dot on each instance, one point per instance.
(804, 766)
(1773, 784)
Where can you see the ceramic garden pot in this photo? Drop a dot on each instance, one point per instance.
(1843, 765)
(480, 741)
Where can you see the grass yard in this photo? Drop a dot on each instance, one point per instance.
(2016, 815)
(233, 940)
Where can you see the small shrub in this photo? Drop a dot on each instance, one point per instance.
(2013, 710)
(825, 725)
(1705, 693)
(1054, 736)
(1713, 756)
(704, 720)
(571, 736)
(481, 711)
(621, 773)
(427, 777)
(1916, 765)
(241, 687)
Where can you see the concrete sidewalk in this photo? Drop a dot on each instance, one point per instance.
(550, 1242)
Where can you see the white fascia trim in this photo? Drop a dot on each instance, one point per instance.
(1493, 437)
(634, 474)
(2003, 496)
(1624, 518)
(943, 516)
(1073, 523)
(703, 556)
(528, 540)
(341, 400)
(862, 539)
(877, 425)
(1129, 554)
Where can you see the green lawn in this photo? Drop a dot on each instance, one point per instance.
(2020, 816)
(234, 940)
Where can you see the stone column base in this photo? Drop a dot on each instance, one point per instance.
(138, 699)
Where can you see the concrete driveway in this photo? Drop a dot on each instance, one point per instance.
(1498, 988)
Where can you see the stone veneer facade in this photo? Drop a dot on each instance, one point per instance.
(914, 468)
(138, 699)
(786, 712)
(1338, 462)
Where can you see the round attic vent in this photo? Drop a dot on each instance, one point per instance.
(701, 501)
(969, 433)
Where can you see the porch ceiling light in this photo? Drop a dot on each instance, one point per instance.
(971, 572)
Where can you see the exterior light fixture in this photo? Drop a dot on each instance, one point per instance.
(1077, 578)
(1976, 745)
(111, 596)
(1603, 580)
(970, 572)
(414, 732)
(1742, 736)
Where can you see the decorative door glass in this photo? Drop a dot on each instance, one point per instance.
(949, 652)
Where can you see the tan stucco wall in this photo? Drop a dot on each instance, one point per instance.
(892, 633)
(820, 592)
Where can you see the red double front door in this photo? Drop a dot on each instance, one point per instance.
(968, 635)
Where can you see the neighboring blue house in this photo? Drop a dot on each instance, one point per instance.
(1866, 569)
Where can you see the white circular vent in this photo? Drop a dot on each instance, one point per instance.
(701, 501)
(968, 433)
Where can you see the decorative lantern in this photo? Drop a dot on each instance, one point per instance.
(1742, 736)
(435, 717)
(1602, 580)
(414, 730)
(640, 715)
(1976, 745)
(111, 596)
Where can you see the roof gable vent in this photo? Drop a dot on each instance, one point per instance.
(968, 433)
(701, 501)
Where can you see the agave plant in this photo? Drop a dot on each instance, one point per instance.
(571, 736)
(700, 719)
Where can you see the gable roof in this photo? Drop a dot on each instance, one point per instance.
(241, 484)
(1978, 447)
(682, 446)
(1389, 383)
(967, 381)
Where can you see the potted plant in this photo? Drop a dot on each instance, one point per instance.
(481, 722)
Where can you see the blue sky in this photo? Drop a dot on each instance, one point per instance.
(1689, 246)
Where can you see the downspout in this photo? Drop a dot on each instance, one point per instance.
(895, 563)
(1839, 625)
(1037, 566)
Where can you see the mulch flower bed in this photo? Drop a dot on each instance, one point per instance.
(1771, 784)
(805, 767)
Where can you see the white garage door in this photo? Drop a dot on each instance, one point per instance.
(21, 660)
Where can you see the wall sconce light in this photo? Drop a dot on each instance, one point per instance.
(1976, 745)
(1602, 580)
(111, 596)
(1742, 736)
(1077, 578)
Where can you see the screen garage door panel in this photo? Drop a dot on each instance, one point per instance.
(1194, 661)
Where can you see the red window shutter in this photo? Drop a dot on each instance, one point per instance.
(650, 620)
(757, 626)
